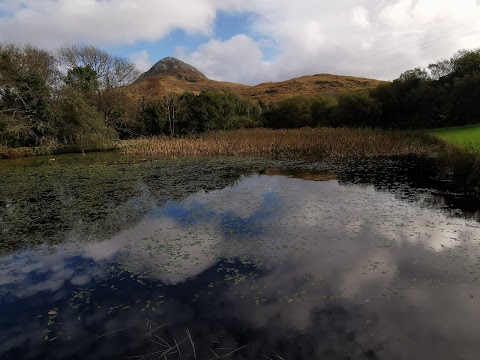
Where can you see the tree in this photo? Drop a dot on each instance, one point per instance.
(294, 112)
(465, 97)
(466, 62)
(29, 76)
(301, 111)
(111, 71)
(415, 76)
(83, 79)
(357, 110)
(440, 69)
(100, 77)
(173, 108)
(152, 117)
(322, 108)
(80, 124)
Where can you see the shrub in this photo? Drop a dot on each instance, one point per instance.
(357, 110)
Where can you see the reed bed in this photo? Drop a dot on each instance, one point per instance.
(317, 143)
(7, 153)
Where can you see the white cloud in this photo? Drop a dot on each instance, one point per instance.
(142, 60)
(238, 59)
(379, 39)
(360, 17)
(50, 23)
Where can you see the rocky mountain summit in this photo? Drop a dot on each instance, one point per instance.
(171, 66)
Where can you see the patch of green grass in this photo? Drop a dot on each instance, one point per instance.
(464, 136)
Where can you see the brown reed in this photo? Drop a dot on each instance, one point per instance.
(7, 153)
(308, 143)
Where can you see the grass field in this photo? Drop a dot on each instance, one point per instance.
(465, 136)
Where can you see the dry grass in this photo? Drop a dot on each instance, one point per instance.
(320, 84)
(154, 87)
(316, 143)
(8, 153)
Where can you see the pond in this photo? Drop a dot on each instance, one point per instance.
(110, 257)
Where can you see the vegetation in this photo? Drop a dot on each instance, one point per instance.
(80, 107)
(187, 113)
(77, 99)
(296, 143)
(447, 93)
(464, 136)
(329, 85)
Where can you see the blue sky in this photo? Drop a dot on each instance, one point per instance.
(253, 41)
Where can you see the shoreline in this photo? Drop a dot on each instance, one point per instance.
(305, 143)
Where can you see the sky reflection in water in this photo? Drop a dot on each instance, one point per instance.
(272, 267)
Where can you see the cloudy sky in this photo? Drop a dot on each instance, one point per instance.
(252, 41)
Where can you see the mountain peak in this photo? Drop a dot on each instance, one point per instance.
(173, 67)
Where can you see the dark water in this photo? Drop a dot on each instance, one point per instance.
(104, 257)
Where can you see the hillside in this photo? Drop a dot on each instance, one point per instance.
(326, 84)
(171, 74)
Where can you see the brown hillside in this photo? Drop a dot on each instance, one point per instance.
(154, 87)
(171, 74)
(324, 84)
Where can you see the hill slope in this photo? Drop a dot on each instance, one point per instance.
(171, 74)
(324, 84)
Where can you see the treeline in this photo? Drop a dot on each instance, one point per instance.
(187, 113)
(71, 97)
(76, 97)
(446, 93)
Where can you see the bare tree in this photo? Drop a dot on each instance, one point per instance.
(173, 108)
(27, 59)
(112, 71)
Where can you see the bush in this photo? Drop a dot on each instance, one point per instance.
(322, 108)
(357, 110)
(82, 125)
(241, 122)
(301, 111)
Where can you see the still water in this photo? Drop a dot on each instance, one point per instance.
(106, 257)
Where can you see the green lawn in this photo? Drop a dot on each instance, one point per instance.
(465, 136)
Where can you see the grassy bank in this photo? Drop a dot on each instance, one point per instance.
(300, 143)
(10, 153)
(464, 136)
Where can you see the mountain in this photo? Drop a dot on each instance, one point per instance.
(171, 74)
(171, 66)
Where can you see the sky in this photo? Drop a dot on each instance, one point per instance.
(255, 41)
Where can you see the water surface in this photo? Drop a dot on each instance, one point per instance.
(109, 257)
